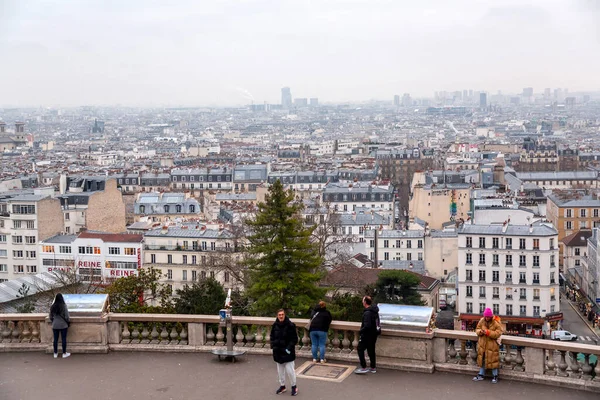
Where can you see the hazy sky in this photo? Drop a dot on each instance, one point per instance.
(212, 52)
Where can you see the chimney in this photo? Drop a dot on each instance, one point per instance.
(62, 184)
(19, 127)
(530, 228)
(2, 127)
(504, 226)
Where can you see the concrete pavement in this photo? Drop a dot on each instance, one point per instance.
(576, 324)
(131, 376)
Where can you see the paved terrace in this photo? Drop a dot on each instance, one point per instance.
(131, 376)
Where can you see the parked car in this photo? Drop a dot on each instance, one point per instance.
(563, 336)
(443, 305)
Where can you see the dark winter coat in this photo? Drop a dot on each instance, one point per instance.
(61, 319)
(488, 346)
(368, 327)
(321, 319)
(284, 336)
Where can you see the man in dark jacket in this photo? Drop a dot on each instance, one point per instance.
(369, 330)
(284, 338)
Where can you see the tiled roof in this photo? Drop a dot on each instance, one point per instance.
(578, 239)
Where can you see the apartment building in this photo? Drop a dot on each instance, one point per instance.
(574, 251)
(347, 198)
(25, 219)
(397, 245)
(590, 284)
(511, 269)
(307, 184)
(162, 207)
(202, 178)
(186, 253)
(93, 256)
(437, 204)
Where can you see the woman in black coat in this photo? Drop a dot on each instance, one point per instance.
(284, 338)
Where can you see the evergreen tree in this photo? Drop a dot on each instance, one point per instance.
(397, 287)
(284, 265)
(202, 297)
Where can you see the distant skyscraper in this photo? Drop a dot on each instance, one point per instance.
(465, 95)
(547, 93)
(314, 101)
(527, 92)
(286, 98)
(397, 100)
(301, 102)
(482, 100)
(406, 100)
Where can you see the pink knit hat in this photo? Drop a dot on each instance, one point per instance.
(488, 313)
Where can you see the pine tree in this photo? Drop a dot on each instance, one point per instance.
(284, 265)
(397, 287)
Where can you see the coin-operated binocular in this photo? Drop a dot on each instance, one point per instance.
(224, 316)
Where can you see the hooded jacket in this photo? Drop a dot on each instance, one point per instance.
(488, 349)
(321, 319)
(284, 336)
(368, 327)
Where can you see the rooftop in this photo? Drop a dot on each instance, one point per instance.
(511, 230)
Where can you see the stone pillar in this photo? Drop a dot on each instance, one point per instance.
(535, 360)
(196, 334)
(440, 350)
(114, 332)
(46, 335)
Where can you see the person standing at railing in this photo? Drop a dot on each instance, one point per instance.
(370, 328)
(59, 316)
(489, 330)
(284, 338)
(320, 320)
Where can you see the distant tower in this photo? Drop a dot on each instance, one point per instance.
(286, 98)
(483, 100)
(397, 100)
(19, 127)
(2, 127)
(406, 100)
(314, 101)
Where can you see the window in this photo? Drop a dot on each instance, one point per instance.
(17, 239)
(213, 246)
(97, 250)
(178, 208)
(114, 250)
(522, 310)
(522, 277)
(170, 259)
(469, 275)
(536, 244)
(523, 294)
(23, 209)
(48, 249)
(420, 256)
(17, 253)
(495, 258)
(536, 277)
(18, 269)
(469, 258)
(536, 311)
(482, 292)
(536, 294)
(166, 208)
(509, 309)
(2, 238)
(569, 213)
(130, 251)
(386, 244)
(153, 258)
(3, 253)
(64, 249)
(482, 243)
(30, 254)
(481, 276)
(185, 259)
(509, 260)
(184, 275)
(3, 268)
(481, 308)
(169, 274)
(577, 251)
(536, 261)
(409, 256)
(595, 213)
(583, 213)
(569, 225)
(551, 244)
(226, 276)
(202, 274)
(371, 244)
(482, 259)
(32, 269)
(495, 276)
(552, 294)
(469, 291)
(495, 243)
(496, 309)
(496, 293)
(522, 261)
(420, 244)
(522, 244)
(552, 280)
(194, 260)
(409, 244)
(194, 276)
(509, 277)
(469, 241)
(212, 274)
(509, 293)
(16, 224)
(509, 243)
(30, 239)
(469, 308)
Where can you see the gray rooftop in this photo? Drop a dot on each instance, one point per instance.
(190, 232)
(511, 230)
(558, 176)
(60, 239)
(396, 234)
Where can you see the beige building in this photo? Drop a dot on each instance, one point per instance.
(441, 253)
(437, 204)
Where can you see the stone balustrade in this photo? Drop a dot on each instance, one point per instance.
(532, 360)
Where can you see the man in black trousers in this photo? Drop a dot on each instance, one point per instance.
(369, 330)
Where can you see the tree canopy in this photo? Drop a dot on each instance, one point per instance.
(284, 265)
(139, 294)
(397, 287)
(206, 297)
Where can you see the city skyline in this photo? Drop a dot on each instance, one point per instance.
(234, 53)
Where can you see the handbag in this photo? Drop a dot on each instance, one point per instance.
(307, 326)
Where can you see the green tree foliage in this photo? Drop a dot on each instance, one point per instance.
(284, 266)
(28, 305)
(397, 287)
(125, 294)
(346, 307)
(206, 296)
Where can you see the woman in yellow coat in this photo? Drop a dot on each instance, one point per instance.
(489, 330)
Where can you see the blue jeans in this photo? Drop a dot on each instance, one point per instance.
(482, 371)
(318, 340)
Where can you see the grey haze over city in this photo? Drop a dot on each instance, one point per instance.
(233, 52)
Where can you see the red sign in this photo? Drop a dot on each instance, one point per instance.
(63, 269)
(139, 254)
(122, 272)
(88, 264)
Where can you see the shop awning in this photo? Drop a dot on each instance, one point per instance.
(507, 319)
(554, 316)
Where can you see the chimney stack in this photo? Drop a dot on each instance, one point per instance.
(19, 127)
(2, 127)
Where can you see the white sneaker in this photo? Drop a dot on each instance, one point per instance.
(65, 355)
(55, 355)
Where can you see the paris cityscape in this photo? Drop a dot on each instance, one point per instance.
(184, 177)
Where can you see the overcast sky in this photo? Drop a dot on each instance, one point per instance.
(222, 52)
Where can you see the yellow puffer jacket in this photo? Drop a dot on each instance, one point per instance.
(487, 345)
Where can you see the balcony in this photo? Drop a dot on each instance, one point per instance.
(509, 297)
(173, 345)
(536, 281)
(536, 298)
(522, 297)
(222, 249)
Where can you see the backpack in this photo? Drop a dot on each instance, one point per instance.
(378, 325)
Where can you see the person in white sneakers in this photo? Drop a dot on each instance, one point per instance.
(59, 316)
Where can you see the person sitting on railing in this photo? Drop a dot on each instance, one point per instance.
(489, 331)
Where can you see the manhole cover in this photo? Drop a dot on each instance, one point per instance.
(325, 372)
